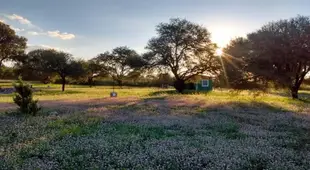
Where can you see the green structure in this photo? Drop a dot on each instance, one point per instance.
(204, 85)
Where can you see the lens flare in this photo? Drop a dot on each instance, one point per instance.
(219, 52)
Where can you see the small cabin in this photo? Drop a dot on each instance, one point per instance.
(204, 85)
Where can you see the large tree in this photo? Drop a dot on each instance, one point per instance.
(7, 73)
(184, 48)
(12, 46)
(278, 52)
(235, 67)
(52, 61)
(92, 69)
(26, 70)
(120, 62)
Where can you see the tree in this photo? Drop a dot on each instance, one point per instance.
(7, 73)
(233, 60)
(183, 47)
(120, 62)
(26, 70)
(92, 69)
(164, 79)
(235, 66)
(134, 76)
(280, 52)
(23, 98)
(52, 61)
(12, 47)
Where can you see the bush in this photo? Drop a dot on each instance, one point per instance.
(23, 98)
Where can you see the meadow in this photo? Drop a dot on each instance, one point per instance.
(151, 128)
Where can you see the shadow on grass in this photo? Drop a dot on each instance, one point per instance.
(161, 105)
(163, 92)
(56, 92)
(305, 97)
(224, 119)
(155, 98)
(281, 93)
(265, 117)
(244, 111)
(171, 92)
(307, 100)
(302, 95)
(306, 87)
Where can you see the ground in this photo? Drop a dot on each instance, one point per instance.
(149, 128)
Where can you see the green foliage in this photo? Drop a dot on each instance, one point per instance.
(24, 99)
(184, 48)
(91, 70)
(276, 52)
(7, 73)
(50, 62)
(120, 63)
(12, 46)
(74, 126)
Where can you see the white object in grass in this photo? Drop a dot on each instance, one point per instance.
(113, 94)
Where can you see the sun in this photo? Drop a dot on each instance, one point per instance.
(219, 52)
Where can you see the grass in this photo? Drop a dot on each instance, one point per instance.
(148, 128)
(76, 92)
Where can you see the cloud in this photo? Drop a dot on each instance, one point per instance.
(54, 34)
(33, 33)
(17, 29)
(20, 19)
(58, 34)
(31, 47)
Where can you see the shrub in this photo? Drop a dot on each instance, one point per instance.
(23, 98)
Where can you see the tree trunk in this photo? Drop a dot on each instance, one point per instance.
(296, 85)
(63, 83)
(179, 85)
(120, 83)
(90, 81)
(294, 92)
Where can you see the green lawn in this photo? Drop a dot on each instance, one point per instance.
(77, 92)
(149, 128)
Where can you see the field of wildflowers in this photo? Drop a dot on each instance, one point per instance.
(157, 129)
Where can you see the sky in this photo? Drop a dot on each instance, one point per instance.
(86, 28)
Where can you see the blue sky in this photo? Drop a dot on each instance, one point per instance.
(86, 28)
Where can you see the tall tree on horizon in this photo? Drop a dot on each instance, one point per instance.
(92, 69)
(234, 63)
(184, 48)
(52, 61)
(279, 52)
(120, 62)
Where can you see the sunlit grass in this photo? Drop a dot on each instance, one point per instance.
(152, 128)
(276, 98)
(78, 92)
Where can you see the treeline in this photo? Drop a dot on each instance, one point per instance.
(277, 54)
